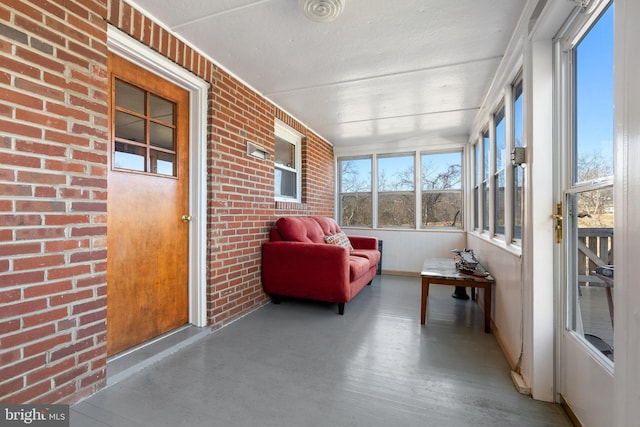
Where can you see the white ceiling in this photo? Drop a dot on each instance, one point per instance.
(383, 72)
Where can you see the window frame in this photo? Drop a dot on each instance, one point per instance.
(293, 137)
(497, 172)
(416, 155)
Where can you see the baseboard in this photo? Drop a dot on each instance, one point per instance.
(401, 273)
(520, 383)
(569, 412)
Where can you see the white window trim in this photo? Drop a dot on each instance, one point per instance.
(295, 138)
(126, 47)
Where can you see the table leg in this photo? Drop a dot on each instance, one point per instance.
(487, 309)
(423, 304)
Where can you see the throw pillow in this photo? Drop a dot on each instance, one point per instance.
(339, 239)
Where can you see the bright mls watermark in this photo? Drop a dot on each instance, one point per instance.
(34, 415)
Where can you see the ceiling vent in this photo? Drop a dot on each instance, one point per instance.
(321, 10)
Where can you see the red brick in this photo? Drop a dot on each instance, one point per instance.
(39, 89)
(21, 279)
(49, 288)
(89, 231)
(20, 220)
(70, 350)
(69, 297)
(10, 387)
(9, 326)
(12, 127)
(89, 306)
(46, 192)
(65, 166)
(64, 272)
(39, 206)
(70, 375)
(88, 207)
(96, 329)
(26, 336)
(42, 347)
(43, 119)
(34, 263)
(20, 249)
(66, 245)
(50, 371)
(15, 190)
(39, 233)
(67, 138)
(39, 29)
(30, 393)
(49, 316)
(41, 178)
(10, 296)
(96, 255)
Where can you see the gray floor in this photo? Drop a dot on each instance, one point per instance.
(301, 364)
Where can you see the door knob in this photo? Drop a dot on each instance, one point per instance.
(186, 218)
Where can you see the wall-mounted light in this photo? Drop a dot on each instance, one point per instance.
(254, 150)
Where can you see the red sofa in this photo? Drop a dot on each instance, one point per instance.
(310, 257)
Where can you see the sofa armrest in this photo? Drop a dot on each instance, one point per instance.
(306, 270)
(364, 242)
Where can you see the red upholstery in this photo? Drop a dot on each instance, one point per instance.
(298, 263)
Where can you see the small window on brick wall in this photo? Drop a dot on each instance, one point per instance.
(287, 165)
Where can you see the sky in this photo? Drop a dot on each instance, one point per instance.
(594, 89)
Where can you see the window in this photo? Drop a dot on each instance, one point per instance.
(396, 191)
(518, 173)
(499, 178)
(441, 190)
(485, 180)
(287, 163)
(144, 129)
(355, 196)
(477, 180)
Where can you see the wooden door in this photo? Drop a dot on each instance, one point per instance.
(148, 182)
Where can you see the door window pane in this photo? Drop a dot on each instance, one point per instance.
(161, 109)
(129, 127)
(161, 136)
(590, 207)
(128, 156)
(593, 144)
(129, 97)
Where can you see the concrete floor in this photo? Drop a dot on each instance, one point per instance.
(301, 364)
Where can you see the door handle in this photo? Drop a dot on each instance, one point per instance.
(558, 218)
(186, 218)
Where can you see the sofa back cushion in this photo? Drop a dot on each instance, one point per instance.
(329, 225)
(300, 229)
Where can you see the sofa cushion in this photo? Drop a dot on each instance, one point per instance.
(329, 225)
(358, 266)
(372, 255)
(300, 229)
(339, 239)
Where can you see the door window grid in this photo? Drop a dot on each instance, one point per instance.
(144, 131)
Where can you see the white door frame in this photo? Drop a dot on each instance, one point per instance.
(135, 52)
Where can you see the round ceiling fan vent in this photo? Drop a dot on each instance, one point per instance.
(321, 10)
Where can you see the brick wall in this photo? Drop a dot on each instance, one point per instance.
(53, 188)
(53, 156)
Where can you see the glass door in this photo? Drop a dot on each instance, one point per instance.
(584, 216)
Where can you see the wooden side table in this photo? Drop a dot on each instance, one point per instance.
(443, 271)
